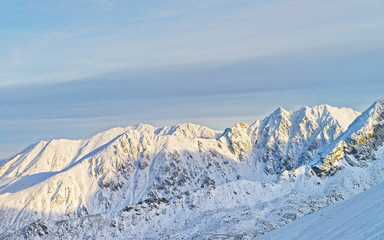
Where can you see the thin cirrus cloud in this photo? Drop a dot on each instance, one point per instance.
(70, 70)
(97, 41)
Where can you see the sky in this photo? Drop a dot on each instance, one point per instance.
(70, 69)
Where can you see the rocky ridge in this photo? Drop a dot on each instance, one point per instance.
(190, 181)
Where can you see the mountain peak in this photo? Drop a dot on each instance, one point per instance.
(354, 146)
(280, 111)
(376, 108)
(147, 176)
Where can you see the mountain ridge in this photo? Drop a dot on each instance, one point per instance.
(143, 172)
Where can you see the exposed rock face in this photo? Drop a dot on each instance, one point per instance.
(191, 181)
(288, 140)
(357, 146)
(238, 140)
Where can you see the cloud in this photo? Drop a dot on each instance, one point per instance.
(91, 42)
(214, 62)
(217, 95)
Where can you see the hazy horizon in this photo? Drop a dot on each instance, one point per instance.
(70, 70)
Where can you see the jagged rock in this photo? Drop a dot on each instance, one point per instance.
(188, 181)
(38, 228)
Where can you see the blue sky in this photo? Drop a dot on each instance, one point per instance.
(69, 69)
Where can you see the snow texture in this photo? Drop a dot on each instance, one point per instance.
(360, 217)
(190, 182)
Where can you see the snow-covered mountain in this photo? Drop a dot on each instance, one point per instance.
(188, 181)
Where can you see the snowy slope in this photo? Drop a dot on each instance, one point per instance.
(190, 181)
(358, 218)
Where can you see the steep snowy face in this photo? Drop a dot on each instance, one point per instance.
(160, 164)
(55, 155)
(355, 147)
(286, 140)
(113, 170)
(237, 139)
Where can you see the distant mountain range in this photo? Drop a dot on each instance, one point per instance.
(191, 182)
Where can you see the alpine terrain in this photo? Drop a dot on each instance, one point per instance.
(191, 182)
(360, 217)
